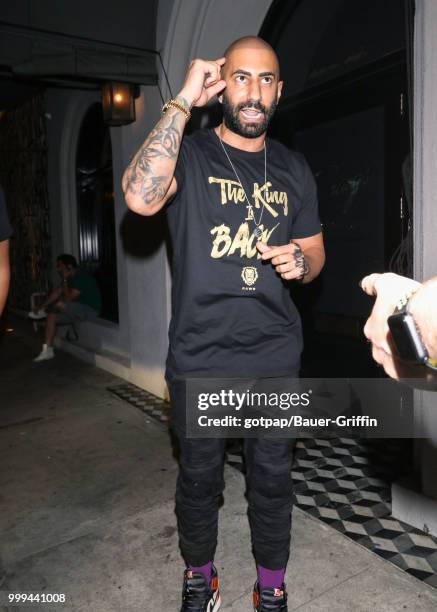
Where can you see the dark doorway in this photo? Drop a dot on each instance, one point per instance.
(346, 111)
(95, 201)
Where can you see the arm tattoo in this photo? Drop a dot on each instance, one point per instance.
(151, 170)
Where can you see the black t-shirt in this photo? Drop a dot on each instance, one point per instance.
(5, 226)
(232, 314)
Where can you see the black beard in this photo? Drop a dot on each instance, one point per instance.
(248, 130)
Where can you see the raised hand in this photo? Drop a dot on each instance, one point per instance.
(203, 81)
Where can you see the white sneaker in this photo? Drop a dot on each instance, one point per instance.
(46, 353)
(37, 316)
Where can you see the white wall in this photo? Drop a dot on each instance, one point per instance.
(425, 209)
(144, 253)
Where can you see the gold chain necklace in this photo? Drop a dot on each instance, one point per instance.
(257, 232)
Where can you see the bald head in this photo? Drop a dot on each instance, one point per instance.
(252, 43)
(253, 88)
(249, 42)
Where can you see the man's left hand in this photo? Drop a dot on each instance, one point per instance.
(288, 259)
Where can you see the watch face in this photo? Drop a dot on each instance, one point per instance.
(408, 344)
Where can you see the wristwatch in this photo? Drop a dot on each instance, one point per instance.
(406, 336)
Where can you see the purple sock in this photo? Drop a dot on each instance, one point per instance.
(270, 579)
(206, 570)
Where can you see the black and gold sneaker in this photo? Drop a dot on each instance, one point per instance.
(197, 596)
(270, 600)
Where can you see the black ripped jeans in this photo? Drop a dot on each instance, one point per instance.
(200, 485)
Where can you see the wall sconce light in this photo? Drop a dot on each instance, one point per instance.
(118, 101)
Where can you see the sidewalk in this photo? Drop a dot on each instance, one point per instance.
(86, 496)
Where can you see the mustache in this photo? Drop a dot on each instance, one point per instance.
(252, 105)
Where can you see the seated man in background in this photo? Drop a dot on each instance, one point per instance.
(76, 299)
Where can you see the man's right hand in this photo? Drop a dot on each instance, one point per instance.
(203, 81)
(148, 181)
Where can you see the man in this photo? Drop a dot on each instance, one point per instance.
(5, 234)
(242, 213)
(76, 299)
(402, 326)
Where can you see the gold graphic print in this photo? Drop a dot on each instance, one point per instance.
(244, 241)
(231, 191)
(266, 204)
(250, 275)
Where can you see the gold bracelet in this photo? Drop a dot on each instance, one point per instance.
(178, 106)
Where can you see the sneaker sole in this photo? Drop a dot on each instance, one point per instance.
(39, 359)
(215, 604)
